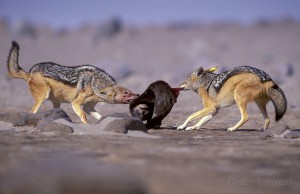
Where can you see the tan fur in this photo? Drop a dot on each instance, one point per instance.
(79, 85)
(43, 88)
(239, 89)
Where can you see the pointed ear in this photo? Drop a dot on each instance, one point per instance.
(213, 69)
(198, 72)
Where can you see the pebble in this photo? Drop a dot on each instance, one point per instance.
(57, 129)
(123, 125)
(275, 131)
(293, 134)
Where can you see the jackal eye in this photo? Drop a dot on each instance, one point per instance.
(125, 92)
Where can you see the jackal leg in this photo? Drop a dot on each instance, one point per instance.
(206, 112)
(244, 115)
(202, 122)
(262, 107)
(90, 109)
(76, 105)
(40, 92)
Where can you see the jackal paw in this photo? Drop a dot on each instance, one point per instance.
(231, 129)
(191, 128)
(181, 127)
(96, 115)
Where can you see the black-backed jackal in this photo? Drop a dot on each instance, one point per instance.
(239, 85)
(79, 85)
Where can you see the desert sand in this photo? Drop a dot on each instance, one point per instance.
(165, 160)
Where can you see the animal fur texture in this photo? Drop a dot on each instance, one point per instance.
(239, 85)
(155, 103)
(79, 85)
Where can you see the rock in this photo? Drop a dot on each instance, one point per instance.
(14, 118)
(49, 116)
(124, 124)
(109, 126)
(266, 135)
(57, 122)
(57, 129)
(39, 119)
(275, 131)
(82, 129)
(61, 173)
(278, 129)
(5, 126)
(43, 121)
(121, 123)
(293, 134)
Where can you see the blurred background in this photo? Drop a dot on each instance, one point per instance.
(148, 40)
(68, 13)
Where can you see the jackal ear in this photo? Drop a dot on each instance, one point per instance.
(198, 72)
(213, 69)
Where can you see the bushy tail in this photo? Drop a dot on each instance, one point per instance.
(278, 98)
(13, 67)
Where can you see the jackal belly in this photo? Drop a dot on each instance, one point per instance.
(61, 92)
(225, 100)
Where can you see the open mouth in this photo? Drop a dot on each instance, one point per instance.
(128, 100)
(184, 88)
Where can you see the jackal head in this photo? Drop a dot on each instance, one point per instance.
(116, 95)
(197, 79)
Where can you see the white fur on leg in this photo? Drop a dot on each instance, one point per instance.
(96, 115)
(202, 122)
(183, 126)
(90, 109)
(232, 129)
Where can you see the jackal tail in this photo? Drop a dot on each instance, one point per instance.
(13, 67)
(278, 98)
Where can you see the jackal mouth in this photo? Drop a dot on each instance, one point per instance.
(186, 89)
(183, 87)
(130, 99)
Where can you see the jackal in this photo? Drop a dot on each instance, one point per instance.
(239, 85)
(79, 85)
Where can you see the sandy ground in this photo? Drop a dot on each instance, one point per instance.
(204, 161)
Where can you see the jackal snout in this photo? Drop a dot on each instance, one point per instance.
(127, 96)
(119, 94)
(184, 86)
